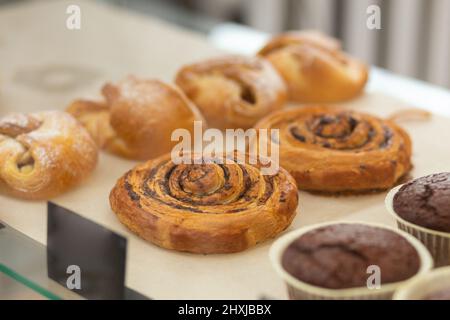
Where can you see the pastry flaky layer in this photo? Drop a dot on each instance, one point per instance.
(330, 149)
(43, 154)
(137, 117)
(209, 207)
(314, 68)
(233, 91)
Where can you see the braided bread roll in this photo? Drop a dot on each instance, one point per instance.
(329, 149)
(137, 118)
(204, 208)
(233, 91)
(313, 67)
(43, 154)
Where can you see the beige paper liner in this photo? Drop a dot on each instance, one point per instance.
(424, 285)
(299, 290)
(437, 242)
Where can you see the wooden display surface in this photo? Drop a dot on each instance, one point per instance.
(43, 65)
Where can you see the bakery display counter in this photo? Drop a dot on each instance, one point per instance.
(203, 252)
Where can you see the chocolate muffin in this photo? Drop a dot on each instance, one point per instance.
(426, 202)
(337, 256)
(443, 294)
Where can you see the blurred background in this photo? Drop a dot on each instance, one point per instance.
(414, 39)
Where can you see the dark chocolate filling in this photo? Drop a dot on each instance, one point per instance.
(328, 130)
(164, 185)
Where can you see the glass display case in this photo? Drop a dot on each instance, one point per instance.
(23, 269)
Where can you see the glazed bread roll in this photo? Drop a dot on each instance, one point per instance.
(137, 118)
(233, 91)
(329, 149)
(314, 69)
(43, 154)
(204, 208)
(292, 38)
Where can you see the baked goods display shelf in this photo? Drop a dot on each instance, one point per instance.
(75, 63)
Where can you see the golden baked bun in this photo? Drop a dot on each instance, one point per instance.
(233, 91)
(137, 118)
(43, 154)
(331, 150)
(314, 69)
(204, 208)
(292, 38)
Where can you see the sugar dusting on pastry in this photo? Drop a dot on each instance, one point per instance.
(52, 152)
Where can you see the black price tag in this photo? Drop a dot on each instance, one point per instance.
(85, 257)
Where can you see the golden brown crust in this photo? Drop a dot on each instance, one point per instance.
(204, 208)
(233, 91)
(290, 38)
(329, 149)
(314, 68)
(43, 154)
(137, 118)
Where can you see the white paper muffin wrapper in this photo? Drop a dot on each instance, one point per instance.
(298, 294)
(424, 285)
(299, 290)
(437, 242)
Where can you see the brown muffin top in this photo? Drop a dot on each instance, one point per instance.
(337, 256)
(426, 202)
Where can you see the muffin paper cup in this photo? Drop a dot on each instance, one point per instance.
(299, 290)
(423, 285)
(437, 242)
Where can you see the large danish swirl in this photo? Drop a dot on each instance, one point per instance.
(210, 207)
(233, 91)
(335, 150)
(314, 68)
(42, 154)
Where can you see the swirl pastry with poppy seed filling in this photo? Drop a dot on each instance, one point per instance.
(43, 154)
(329, 149)
(314, 68)
(137, 118)
(233, 91)
(217, 206)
